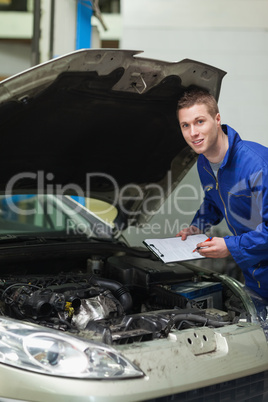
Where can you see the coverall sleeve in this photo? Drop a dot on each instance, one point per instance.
(251, 247)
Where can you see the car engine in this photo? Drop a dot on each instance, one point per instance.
(119, 299)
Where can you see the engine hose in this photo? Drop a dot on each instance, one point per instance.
(199, 319)
(118, 290)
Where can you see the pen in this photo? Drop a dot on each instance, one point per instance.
(208, 239)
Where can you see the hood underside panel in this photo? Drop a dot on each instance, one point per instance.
(94, 122)
(81, 123)
(96, 111)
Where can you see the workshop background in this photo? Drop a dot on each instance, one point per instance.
(229, 34)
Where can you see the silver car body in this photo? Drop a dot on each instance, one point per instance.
(94, 123)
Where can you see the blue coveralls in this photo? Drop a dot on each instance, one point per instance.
(239, 194)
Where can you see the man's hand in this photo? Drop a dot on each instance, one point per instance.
(216, 248)
(191, 230)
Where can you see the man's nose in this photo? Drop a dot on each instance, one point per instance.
(193, 130)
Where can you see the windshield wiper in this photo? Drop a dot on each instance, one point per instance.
(19, 238)
(7, 239)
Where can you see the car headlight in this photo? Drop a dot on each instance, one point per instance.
(30, 347)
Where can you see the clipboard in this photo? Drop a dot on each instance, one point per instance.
(174, 249)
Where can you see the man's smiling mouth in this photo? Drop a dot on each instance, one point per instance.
(197, 142)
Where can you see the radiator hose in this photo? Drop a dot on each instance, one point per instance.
(118, 290)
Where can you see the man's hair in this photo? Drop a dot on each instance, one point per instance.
(197, 96)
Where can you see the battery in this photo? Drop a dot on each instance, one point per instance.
(206, 294)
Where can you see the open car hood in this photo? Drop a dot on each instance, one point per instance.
(99, 123)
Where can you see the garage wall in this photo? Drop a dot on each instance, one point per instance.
(229, 34)
(15, 42)
(64, 27)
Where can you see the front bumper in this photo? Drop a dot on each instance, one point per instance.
(186, 360)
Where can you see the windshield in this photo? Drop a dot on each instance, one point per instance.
(28, 214)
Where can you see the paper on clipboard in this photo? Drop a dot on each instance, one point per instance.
(174, 249)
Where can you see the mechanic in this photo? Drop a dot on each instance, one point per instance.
(234, 176)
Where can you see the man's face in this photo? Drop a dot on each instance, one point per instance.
(200, 130)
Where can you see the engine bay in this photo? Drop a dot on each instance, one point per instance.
(120, 299)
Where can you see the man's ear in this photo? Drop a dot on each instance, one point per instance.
(218, 119)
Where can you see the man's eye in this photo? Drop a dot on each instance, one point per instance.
(200, 121)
